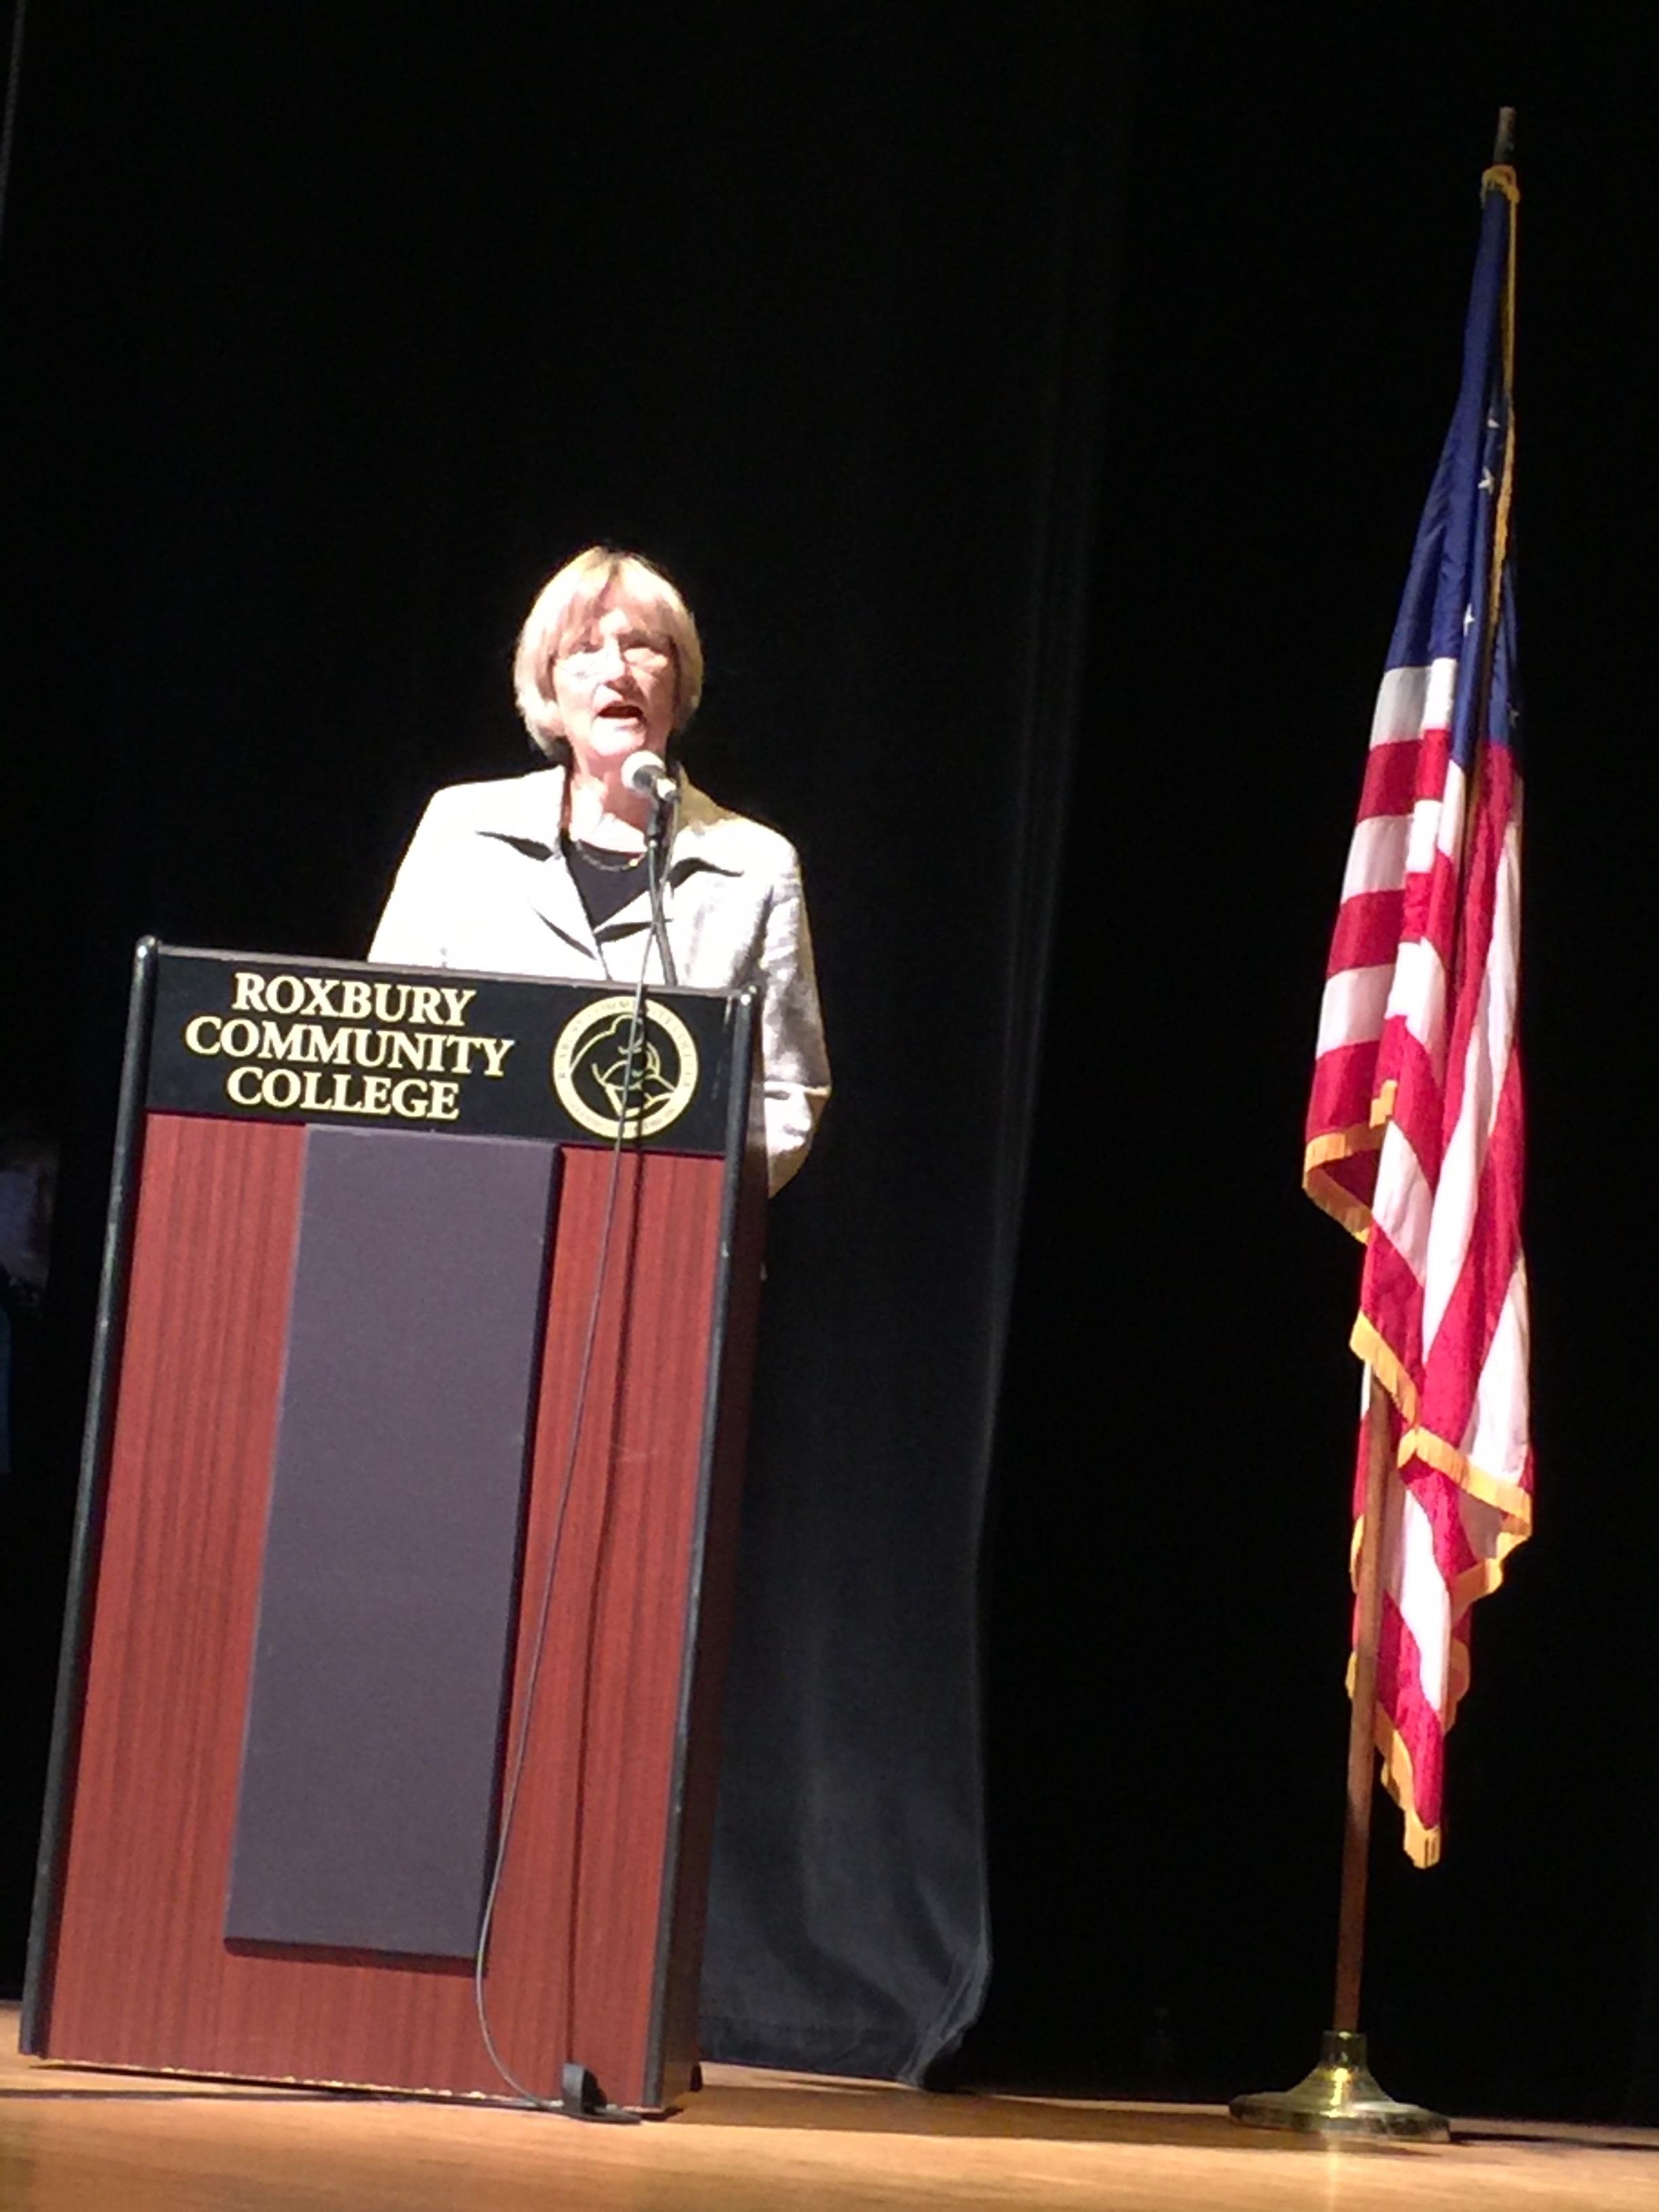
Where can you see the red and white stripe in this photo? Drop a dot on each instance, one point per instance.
(1415, 1143)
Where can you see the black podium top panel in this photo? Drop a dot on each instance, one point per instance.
(250, 1036)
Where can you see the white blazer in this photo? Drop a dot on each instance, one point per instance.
(484, 885)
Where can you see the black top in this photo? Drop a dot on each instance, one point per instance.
(606, 881)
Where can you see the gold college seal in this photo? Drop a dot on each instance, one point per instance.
(590, 1067)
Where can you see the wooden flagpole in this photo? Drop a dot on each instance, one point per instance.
(1361, 1718)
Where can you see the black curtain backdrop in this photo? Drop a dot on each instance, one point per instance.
(330, 332)
(324, 334)
(1168, 1607)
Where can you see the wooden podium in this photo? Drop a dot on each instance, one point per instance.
(408, 1515)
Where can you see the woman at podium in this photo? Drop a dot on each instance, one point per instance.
(546, 874)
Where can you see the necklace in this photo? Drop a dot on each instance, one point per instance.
(607, 863)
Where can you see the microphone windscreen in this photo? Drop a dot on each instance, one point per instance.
(645, 773)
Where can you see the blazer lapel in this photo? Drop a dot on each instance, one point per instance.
(551, 891)
(693, 849)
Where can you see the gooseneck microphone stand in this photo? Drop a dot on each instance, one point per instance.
(664, 800)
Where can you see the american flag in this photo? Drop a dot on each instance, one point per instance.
(1415, 1128)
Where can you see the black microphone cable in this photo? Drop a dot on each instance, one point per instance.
(519, 1752)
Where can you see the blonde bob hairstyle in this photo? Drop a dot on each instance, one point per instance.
(564, 610)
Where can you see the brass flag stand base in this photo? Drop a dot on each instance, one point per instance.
(1340, 2099)
(1340, 2096)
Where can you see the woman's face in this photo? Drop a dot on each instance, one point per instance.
(614, 688)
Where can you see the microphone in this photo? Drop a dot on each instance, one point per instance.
(646, 775)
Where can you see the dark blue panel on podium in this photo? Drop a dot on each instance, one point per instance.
(365, 1818)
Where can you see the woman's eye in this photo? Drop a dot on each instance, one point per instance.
(637, 646)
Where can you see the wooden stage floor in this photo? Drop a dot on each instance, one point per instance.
(80, 2142)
